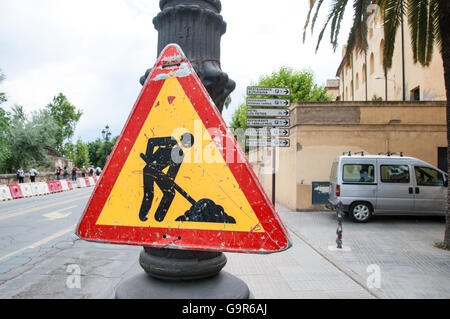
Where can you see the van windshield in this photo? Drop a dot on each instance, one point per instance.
(358, 173)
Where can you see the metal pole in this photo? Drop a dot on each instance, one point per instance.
(273, 175)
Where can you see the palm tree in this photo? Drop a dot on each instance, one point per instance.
(429, 24)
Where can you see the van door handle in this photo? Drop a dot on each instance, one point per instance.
(417, 190)
(411, 190)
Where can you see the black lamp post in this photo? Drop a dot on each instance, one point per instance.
(196, 26)
(106, 134)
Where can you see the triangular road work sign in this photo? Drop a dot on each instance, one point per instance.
(177, 178)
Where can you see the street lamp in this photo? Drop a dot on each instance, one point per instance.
(106, 134)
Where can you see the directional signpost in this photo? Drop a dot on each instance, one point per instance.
(268, 122)
(273, 132)
(259, 142)
(267, 112)
(274, 122)
(268, 102)
(259, 90)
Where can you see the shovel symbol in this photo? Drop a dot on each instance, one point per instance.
(204, 210)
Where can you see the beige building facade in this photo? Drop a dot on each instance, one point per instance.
(322, 131)
(363, 77)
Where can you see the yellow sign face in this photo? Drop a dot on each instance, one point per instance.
(155, 191)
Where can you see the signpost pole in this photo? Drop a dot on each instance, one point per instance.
(273, 174)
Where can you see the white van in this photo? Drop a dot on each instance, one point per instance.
(378, 184)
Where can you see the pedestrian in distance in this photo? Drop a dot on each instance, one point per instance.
(58, 173)
(91, 171)
(33, 173)
(20, 174)
(98, 171)
(83, 172)
(65, 173)
(74, 174)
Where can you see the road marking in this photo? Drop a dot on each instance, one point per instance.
(40, 243)
(9, 215)
(57, 213)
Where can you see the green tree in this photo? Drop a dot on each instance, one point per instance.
(66, 116)
(4, 129)
(28, 137)
(428, 21)
(301, 83)
(81, 154)
(94, 154)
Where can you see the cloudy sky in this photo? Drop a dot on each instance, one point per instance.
(94, 52)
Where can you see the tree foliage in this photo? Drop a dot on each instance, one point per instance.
(66, 116)
(81, 154)
(423, 21)
(27, 137)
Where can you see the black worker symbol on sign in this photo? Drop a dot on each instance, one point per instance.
(163, 152)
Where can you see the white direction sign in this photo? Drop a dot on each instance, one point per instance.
(260, 90)
(267, 112)
(254, 142)
(268, 122)
(268, 102)
(282, 132)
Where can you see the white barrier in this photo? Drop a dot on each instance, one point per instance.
(44, 188)
(26, 189)
(91, 181)
(36, 189)
(81, 182)
(65, 186)
(5, 193)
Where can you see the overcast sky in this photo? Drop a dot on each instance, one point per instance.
(94, 52)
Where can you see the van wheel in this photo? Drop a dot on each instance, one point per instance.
(360, 212)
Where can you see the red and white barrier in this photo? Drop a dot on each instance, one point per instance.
(5, 193)
(15, 190)
(64, 185)
(81, 182)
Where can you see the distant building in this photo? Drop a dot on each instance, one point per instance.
(332, 88)
(362, 78)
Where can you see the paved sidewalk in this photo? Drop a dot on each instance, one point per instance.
(401, 247)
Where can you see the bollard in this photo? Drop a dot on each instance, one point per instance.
(339, 228)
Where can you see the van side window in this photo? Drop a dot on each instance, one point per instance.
(426, 176)
(358, 173)
(395, 173)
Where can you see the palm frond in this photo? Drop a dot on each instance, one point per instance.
(337, 9)
(394, 11)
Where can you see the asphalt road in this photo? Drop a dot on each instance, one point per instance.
(30, 223)
(41, 257)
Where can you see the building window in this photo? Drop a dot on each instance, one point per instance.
(381, 51)
(357, 81)
(363, 74)
(415, 94)
(372, 63)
